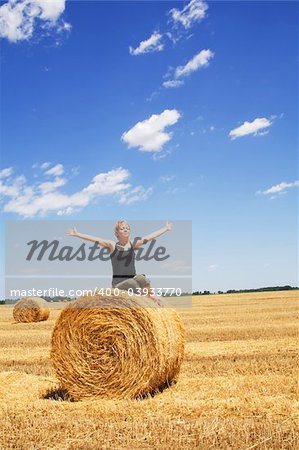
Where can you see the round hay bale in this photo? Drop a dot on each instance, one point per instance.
(31, 309)
(116, 346)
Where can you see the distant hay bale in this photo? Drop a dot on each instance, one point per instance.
(116, 347)
(31, 309)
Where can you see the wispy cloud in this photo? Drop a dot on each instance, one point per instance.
(167, 178)
(199, 61)
(193, 12)
(19, 19)
(173, 83)
(42, 166)
(213, 267)
(258, 127)
(150, 135)
(157, 156)
(180, 20)
(75, 170)
(173, 191)
(136, 194)
(278, 189)
(44, 197)
(152, 44)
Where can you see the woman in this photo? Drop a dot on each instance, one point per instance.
(122, 254)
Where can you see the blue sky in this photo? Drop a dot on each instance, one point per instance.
(89, 131)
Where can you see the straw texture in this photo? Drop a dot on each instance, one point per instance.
(116, 346)
(31, 309)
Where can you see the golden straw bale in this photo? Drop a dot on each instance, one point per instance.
(31, 309)
(116, 346)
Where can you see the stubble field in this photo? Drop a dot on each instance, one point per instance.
(237, 387)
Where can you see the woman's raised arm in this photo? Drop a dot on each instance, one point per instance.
(102, 242)
(154, 235)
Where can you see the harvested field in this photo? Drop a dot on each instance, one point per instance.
(237, 387)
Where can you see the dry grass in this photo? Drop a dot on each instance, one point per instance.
(31, 309)
(116, 347)
(237, 388)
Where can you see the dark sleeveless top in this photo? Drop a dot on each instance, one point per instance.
(123, 264)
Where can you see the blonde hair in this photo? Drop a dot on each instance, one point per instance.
(118, 224)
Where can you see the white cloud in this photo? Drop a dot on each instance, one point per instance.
(213, 267)
(49, 186)
(49, 10)
(193, 12)
(136, 194)
(12, 188)
(55, 170)
(149, 135)
(42, 166)
(152, 44)
(279, 188)
(4, 173)
(20, 18)
(173, 83)
(67, 211)
(199, 61)
(45, 165)
(44, 197)
(253, 127)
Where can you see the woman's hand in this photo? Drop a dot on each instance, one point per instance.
(168, 226)
(72, 231)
